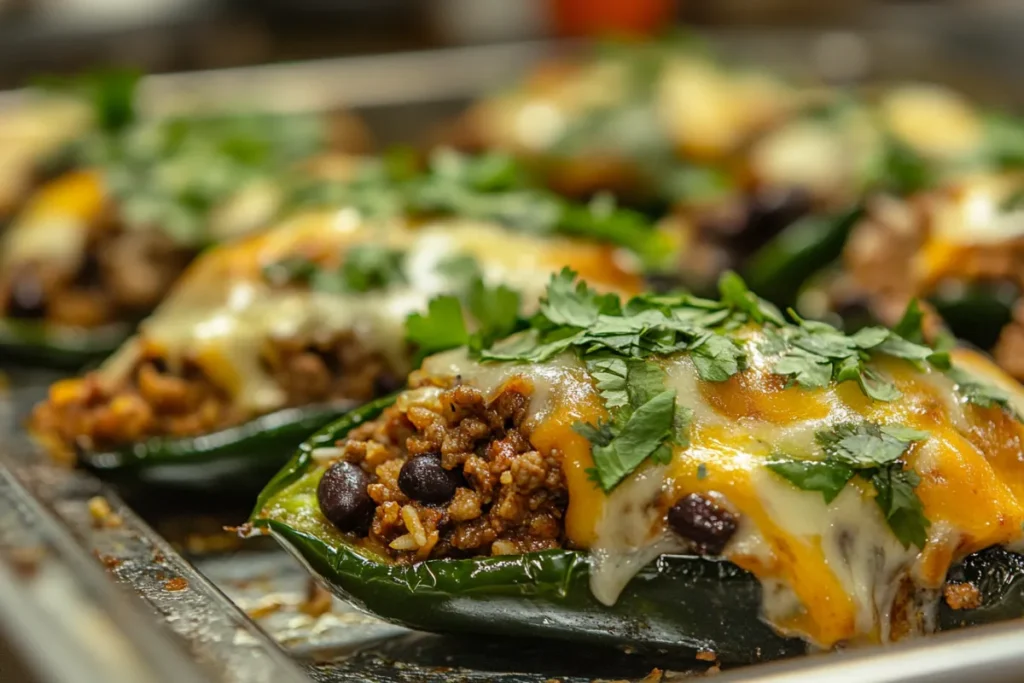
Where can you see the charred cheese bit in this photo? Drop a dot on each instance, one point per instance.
(55, 223)
(223, 310)
(832, 572)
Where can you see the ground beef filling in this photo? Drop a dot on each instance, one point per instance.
(455, 478)
(84, 414)
(122, 276)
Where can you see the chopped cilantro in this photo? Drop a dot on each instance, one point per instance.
(982, 394)
(875, 453)
(644, 432)
(495, 310)
(439, 329)
(812, 354)
(488, 187)
(702, 472)
(372, 266)
(366, 267)
(620, 345)
(294, 269)
(911, 325)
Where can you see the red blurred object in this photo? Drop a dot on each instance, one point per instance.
(602, 17)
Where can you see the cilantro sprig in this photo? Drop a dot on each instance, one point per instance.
(813, 354)
(488, 187)
(494, 310)
(874, 453)
(366, 267)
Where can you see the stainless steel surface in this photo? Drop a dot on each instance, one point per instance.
(55, 600)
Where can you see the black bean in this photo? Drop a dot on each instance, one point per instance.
(422, 478)
(343, 497)
(700, 520)
(28, 300)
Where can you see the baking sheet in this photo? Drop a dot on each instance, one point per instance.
(221, 611)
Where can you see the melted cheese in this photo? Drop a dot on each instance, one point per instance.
(709, 111)
(829, 158)
(55, 224)
(223, 311)
(831, 572)
(29, 135)
(932, 120)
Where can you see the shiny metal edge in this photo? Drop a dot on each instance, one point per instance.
(55, 598)
(212, 634)
(994, 654)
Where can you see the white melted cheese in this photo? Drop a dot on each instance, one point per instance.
(223, 311)
(973, 212)
(855, 540)
(561, 378)
(830, 158)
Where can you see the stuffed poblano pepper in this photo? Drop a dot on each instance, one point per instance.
(670, 472)
(956, 247)
(96, 248)
(264, 340)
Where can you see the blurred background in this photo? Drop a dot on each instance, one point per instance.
(174, 35)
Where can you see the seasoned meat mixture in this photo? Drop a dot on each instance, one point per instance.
(455, 479)
(122, 276)
(85, 414)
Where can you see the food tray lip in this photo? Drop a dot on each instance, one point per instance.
(985, 653)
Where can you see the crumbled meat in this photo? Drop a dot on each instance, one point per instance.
(508, 498)
(962, 595)
(87, 414)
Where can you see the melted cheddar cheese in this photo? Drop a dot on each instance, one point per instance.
(831, 572)
(223, 310)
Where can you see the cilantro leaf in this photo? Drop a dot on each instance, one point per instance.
(495, 310)
(644, 381)
(717, 358)
(372, 266)
(867, 444)
(875, 453)
(982, 394)
(610, 378)
(642, 434)
(911, 325)
(735, 293)
(601, 435)
(903, 509)
(439, 329)
(570, 303)
(807, 369)
(527, 349)
(814, 475)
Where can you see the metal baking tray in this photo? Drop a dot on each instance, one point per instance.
(149, 593)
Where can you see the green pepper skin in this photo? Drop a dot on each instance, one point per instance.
(779, 268)
(686, 604)
(240, 457)
(30, 341)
